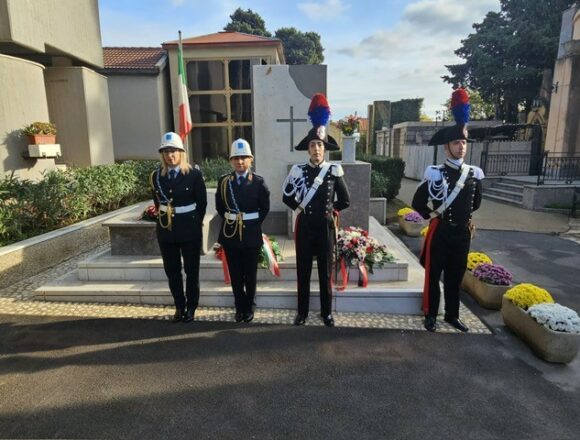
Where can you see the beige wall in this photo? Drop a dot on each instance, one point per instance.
(54, 26)
(140, 114)
(78, 100)
(576, 32)
(22, 101)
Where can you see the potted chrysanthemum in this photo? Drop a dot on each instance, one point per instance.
(473, 260)
(488, 283)
(410, 222)
(552, 331)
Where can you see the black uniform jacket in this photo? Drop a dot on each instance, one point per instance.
(467, 201)
(184, 190)
(252, 196)
(331, 195)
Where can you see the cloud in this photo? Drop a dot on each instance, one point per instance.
(408, 59)
(332, 9)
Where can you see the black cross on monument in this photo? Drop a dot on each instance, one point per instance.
(291, 121)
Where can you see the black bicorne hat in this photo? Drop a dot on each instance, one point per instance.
(319, 114)
(460, 110)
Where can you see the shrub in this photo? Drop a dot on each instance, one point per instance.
(526, 295)
(64, 197)
(391, 168)
(212, 169)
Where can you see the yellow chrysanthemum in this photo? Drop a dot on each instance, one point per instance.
(526, 295)
(404, 211)
(475, 258)
(424, 231)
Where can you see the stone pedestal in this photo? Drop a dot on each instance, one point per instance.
(349, 149)
(358, 179)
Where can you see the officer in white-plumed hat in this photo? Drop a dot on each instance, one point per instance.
(317, 190)
(180, 197)
(243, 202)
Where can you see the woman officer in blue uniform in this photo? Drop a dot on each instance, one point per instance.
(180, 197)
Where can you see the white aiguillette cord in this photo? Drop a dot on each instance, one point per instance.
(458, 187)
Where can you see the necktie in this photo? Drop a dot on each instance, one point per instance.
(172, 174)
(241, 180)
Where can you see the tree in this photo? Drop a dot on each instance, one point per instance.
(300, 47)
(508, 52)
(248, 22)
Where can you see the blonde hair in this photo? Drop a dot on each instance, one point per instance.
(184, 166)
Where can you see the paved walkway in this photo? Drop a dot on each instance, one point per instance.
(500, 217)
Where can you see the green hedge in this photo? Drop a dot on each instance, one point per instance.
(386, 175)
(65, 197)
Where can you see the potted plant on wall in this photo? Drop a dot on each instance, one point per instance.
(551, 330)
(42, 139)
(40, 133)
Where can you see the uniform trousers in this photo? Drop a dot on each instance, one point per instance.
(449, 249)
(243, 267)
(315, 237)
(172, 254)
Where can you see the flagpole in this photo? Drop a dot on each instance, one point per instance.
(181, 67)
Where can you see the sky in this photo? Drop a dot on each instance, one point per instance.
(374, 49)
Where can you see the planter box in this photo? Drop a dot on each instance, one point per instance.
(44, 150)
(487, 295)
(410, 228)
(41, 138)
(551, 346)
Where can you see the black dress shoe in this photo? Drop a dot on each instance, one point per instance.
(328, 321)
(456, 322)
(430, 323)
(239, 316)
(178, 316)
(189, 315)
(248, 317)
(300, 319)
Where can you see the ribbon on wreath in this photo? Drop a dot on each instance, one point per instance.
(363, 278)
(270, 256)
(221, 255)
(343, 275)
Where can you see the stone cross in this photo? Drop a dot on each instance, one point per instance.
(291, 121)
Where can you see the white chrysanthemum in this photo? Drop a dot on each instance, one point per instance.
(556, 317)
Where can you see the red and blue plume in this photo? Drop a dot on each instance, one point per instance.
(460, 106)
(319, 110)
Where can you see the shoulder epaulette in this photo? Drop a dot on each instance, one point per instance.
(337, 170)
(477, 172)
(433, 173)
(296, 171)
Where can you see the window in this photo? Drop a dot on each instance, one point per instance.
(220, 100)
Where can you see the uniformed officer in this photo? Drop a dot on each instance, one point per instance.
(316, 189)
(454, 190)
(243, 202)
(180, 198)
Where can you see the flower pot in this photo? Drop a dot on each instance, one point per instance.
(411, 229)
(40, 139)
(487, 295)
(349, 149)
(549, 345)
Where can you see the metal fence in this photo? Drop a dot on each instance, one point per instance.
(559, 168)
(514, 164)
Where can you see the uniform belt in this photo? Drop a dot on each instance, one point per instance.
(453, 224)
(179, 209)
(245, 215)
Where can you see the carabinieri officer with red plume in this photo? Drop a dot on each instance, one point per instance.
(454, 191)
(316, 189)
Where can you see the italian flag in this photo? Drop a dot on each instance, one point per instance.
(184, 113)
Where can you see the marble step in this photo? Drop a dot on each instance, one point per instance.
(398, 297)
(107, 267)
(511, 195)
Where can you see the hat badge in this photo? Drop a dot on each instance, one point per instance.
(321, 132)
